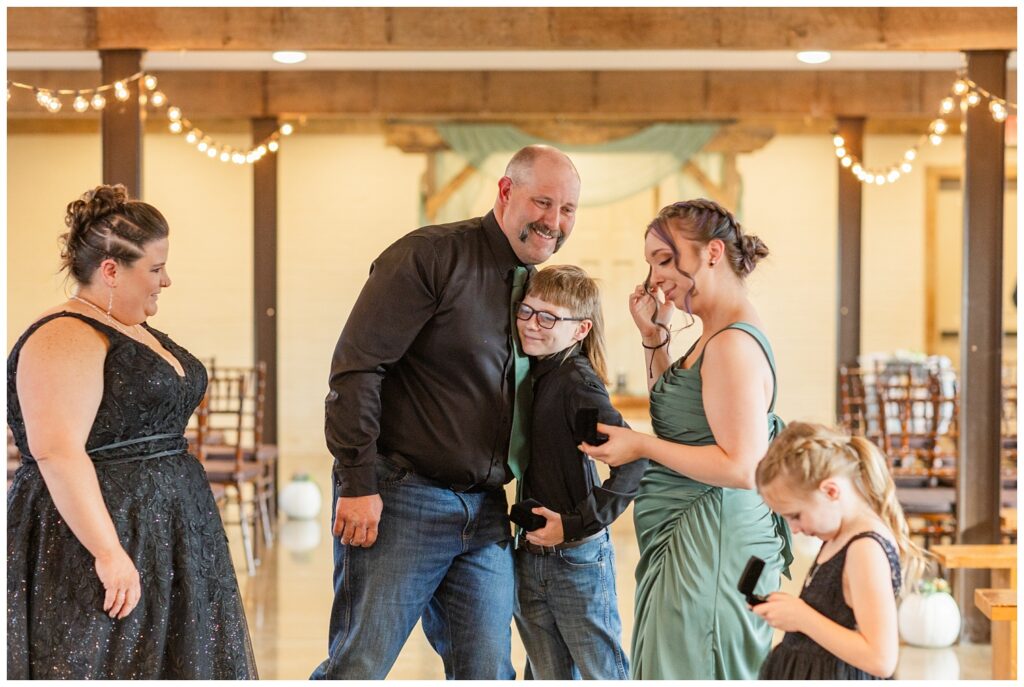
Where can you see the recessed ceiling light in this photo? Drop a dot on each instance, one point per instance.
(814, 56)
(289, 56)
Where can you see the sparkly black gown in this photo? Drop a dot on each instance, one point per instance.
(190, 622)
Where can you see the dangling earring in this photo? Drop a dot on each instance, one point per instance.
(110, 302)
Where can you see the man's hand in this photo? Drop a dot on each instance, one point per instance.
(356, 519)
(549, 535)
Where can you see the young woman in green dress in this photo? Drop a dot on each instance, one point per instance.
(698, 516)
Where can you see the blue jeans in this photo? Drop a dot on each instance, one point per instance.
(440, 555)
(567, 613)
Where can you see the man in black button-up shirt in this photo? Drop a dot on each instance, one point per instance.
(419, 416)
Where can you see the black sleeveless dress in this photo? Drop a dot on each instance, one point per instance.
(798, 657)
(190, 622)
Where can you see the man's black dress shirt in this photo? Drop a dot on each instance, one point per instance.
(560, 476)
(422, 373)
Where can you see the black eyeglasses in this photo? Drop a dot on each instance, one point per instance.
(544, 318)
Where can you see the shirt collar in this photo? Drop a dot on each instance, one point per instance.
(504, 257)
(541, 366)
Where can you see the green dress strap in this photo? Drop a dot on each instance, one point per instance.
(766, 347)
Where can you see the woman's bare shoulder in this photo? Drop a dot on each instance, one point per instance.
(64, 339)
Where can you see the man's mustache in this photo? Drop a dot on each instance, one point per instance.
(543, 231)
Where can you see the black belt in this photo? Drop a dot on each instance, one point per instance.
(132, 450)
(549, 550)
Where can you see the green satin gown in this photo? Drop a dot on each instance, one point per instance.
(695, 539)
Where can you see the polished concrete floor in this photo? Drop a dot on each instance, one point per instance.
(288, 603)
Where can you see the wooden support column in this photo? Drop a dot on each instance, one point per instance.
(121, 123)
(981, 335)
(848, 285)
(264, 181)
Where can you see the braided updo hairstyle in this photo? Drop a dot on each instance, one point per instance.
(104, 224)
(805, 454)
(704, 220)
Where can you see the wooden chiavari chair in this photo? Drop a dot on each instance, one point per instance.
(224, 412)
(197, 434)
(259, 452)
(908, 422)
(858, 411)
(1008, 425)
(919, 436)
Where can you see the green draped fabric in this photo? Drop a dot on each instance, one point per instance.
(695, 539)
(610, 171)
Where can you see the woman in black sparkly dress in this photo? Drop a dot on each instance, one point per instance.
(117, 562)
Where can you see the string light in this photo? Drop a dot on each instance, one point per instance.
(966, 93)
(96, 98)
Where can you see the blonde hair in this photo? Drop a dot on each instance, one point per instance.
(570, 287)
(806, 454)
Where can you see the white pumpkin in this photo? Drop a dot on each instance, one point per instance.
(300, 499)
(300, 537)
(940, 665)
(929, 620)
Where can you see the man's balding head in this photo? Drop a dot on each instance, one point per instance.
(536, 204)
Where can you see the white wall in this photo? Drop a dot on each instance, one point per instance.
(343, 199)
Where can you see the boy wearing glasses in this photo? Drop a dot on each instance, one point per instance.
(566, 605)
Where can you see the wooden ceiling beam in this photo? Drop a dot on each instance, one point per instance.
(521, 28)
(743, 135)
(609, 96)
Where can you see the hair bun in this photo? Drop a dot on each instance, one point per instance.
(92, 206)
(752, 251)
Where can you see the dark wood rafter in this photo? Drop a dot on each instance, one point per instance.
(981, 340)
(848, 258)
(607, 98)
(120, 123)
(264, 260)
(537, 28)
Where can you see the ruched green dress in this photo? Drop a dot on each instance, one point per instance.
(695, 539)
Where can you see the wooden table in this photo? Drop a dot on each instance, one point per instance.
(1001, 559)
(1008, 518)
(1000, 606)
(632, 406)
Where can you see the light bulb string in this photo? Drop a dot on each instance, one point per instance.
(987, 94)
(76, 91)
(260, 148)
(179, 124)
(962, 88)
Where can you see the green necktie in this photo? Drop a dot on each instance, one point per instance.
(519, 442)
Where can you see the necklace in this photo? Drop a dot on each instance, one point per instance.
(112, 320)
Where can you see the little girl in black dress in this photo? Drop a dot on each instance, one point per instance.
(843, 626)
